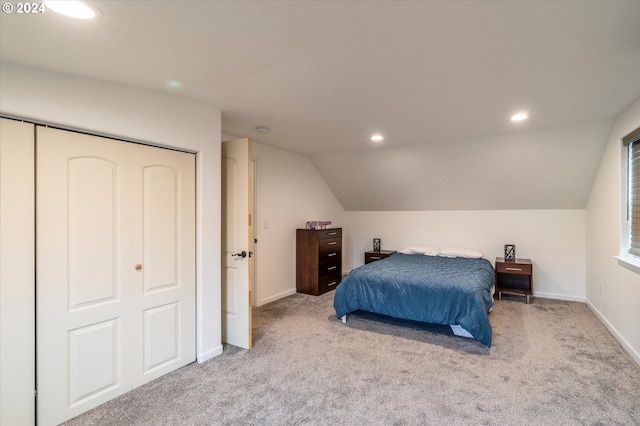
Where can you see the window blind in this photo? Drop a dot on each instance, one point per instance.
(634, 197)
(633, 142)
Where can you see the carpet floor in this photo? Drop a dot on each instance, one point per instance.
(551, 363)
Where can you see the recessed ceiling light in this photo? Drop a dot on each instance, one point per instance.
(72, 8)
(519, 116)
(262, 129)
(377, 138)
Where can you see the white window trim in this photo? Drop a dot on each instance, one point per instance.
(625, 258)
(629, 263)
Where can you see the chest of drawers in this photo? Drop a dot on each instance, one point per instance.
(318, 260)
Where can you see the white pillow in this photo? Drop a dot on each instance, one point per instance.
(429, 251)
(460, 252)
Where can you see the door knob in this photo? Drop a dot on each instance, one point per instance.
(242, 254)
(138, 266)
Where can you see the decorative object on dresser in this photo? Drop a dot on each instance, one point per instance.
(318, 224)
(514, 277)
(318, 260)
(373, 255)
(509, 252)
(376, 244)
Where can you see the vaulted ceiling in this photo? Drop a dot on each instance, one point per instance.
(438, 79)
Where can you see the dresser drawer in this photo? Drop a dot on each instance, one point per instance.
(330, 255)
(331, 267)
(514, 268)
(330, 233)
(328, 245)
(328, 283)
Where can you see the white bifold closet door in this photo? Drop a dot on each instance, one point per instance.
(115, 268)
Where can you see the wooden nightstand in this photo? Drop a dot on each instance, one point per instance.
(372, 256)
(514, 277)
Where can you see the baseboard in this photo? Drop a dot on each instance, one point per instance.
(276, 297)
(209, 354)
(623, 342)
(559, 297)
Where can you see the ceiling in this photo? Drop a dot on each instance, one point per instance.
(438, 79)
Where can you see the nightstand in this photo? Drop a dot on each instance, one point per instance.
(514, 277)
(372, 256)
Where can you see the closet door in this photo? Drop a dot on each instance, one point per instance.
(84, 272)
(108, 317)
(163, 233)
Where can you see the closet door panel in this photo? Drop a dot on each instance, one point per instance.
(164, 243)
(83, 272)
(161, 213)
(93, 372)
(93, 205)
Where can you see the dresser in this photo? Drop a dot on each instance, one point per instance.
(318, 260)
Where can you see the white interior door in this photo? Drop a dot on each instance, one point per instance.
(236, 241)
(112, 251)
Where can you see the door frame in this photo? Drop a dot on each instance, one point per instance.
(254, 230)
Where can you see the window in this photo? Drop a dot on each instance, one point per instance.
(632, 143)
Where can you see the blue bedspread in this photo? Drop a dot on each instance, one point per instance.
(431, 289)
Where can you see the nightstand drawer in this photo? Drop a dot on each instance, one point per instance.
(372, 256)
(514, 268)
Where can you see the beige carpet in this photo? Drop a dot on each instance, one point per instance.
(551, 363)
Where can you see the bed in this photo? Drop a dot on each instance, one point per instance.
(435, 289)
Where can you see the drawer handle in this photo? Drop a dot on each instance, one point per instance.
(333, 283)
(332, 254)
(331, 268)
(513, 269)
(375, 257)
(332, 233)
(332, 243)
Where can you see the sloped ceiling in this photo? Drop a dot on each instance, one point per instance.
(438, 79)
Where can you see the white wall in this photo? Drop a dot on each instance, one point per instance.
(290, 192)
(553, 239)
(618, 304)
(136, 114)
